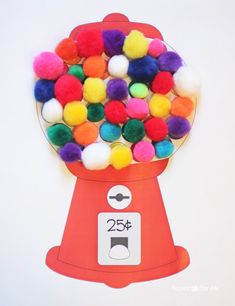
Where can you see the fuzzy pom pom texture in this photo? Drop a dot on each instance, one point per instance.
(123, 99)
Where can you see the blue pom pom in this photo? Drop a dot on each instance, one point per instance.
(164, 148)
(143, 69)
(44, 90)
(110, 132)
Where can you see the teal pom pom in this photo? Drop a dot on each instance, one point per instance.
(59, 134)
(95, 112)
(164, 148)
(133, 131)
(110, 132)
(77, 71)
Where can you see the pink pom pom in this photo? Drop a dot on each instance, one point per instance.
(143, 151)
(137, 108)
(48, 65)
(156, 47)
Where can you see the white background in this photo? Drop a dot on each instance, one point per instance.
(198, 186)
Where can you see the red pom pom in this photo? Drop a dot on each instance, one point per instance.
(67, 50)
(66, 69)
(67, 89)
(115, 112)
(156, 129)
(89, 43)
(162, 83)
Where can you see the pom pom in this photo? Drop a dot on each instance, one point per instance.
(94, 66)
(95, 112)
(164, 148)
(113, 42)
(94, 90)
(121, 156)
(137, 108)
(187, 83)
(48, 65)
(135, 45)
(52, 111)
(143, 69)
(110, 132)
(169, 61)
(138, 90)
(133, 131)
(59, 134)
(182, 107)
(68, 88)
(70, 152)
(96, 156)
(67, 50)
(156, 129)
(178, 127)
(159, 105)
(115, 112)
(85, 133)
(156, 47)
(117, 89)
(162, 83)
(143, 151)
(118, 66)
(75, 113)
(90, 42)
(77, 71)
(44, 90)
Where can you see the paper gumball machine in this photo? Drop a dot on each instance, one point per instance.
(116, 102)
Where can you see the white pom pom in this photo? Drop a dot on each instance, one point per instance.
(187, 83)
(96, 156)
(52, 111)
(118, 66)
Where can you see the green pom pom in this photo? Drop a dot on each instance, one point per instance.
(95, 112)
(133, 131)
(77, 71)
(59, 134)
(138, 90)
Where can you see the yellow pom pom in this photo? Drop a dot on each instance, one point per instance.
(159, 105)
(75, 113)
(135, 45)
(114, 144)
(121, 156)
(94, 90)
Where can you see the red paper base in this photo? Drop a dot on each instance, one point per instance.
(117, 280)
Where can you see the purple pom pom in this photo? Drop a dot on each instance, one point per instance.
(70, 152)
(169, 61)
(117, 89)
(113, 42)
(178, 127)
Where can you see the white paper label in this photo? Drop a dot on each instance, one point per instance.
(119, 238)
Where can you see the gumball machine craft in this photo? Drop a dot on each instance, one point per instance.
(115, 102)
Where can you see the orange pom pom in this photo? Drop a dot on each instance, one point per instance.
(182, 107)
(85, 133)
(67, 50)
(95, 66)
